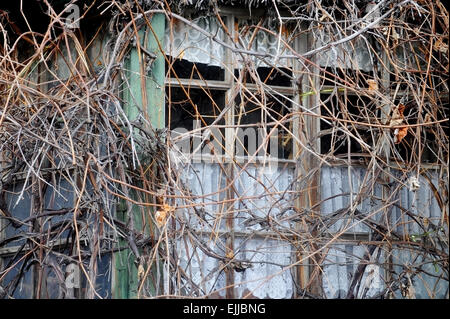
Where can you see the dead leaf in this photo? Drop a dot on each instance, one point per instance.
(140, 272)
(440, 46)
(401, 133)
(373, 85)
(395, 35)
(414, 184)
(181, 55)
(162, 214)
(397, 115)
(426, 223)
(396, 120)
(160, 217)
(411, 292)
(230, 255)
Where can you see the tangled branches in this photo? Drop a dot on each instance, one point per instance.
(342, 192)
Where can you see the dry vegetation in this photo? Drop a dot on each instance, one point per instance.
(71, 137)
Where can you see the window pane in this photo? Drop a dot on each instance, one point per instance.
(191, 109)
(256, 119)
(185, 69)
(191, 53)
(17, 279)
(262, 36)
(354, 111)
(266, 75)
(14, 231)
(432, 146)
(347, 55)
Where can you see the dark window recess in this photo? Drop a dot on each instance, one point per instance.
(396, 80)
(196, 107)
(268, 75)
(252, 113)
(184, 69)
(21, 281)
(407, 150)
(352, 108)
(18, 282)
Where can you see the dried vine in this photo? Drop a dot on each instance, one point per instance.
(123, 185)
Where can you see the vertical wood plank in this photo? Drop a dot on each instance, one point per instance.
(145, 96)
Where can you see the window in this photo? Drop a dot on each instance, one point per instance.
(246, 111)
(375, 170)
(304, 153)
(349, 136)
(26, 271)
(39, 256)
(224, 116)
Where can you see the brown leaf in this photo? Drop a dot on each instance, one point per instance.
(396, 120)
(397, 115)
(440, 46)
(400, 134)
(161, 215)
(230, 254)
(373, 85)
(141, 272)
(426, 223)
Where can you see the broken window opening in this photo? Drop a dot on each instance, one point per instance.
(353, 110)
(260, 126)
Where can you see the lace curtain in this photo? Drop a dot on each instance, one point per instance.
(265, 42)
(194, 46)
(184, 42)
(352, 55)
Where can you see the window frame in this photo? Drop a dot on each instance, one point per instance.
(229, 85)
(229, 161)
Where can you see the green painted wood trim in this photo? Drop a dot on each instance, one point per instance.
(155, 87)
(145, 95)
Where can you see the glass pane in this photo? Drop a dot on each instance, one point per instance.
(353, 110)
(193, 54)
(262, 128)
(17, 278)
(185, 69)
(18, 209)
(191, 109)
(266, 75)
(263, 36)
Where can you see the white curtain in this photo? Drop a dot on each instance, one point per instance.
(265, 42)
(353, 54)
(194, 46)
(184, 42)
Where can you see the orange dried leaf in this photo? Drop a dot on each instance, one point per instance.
(373, 85)
(141, 272)
(401, 133)
(426, 222)
(160, 217)
(401, 108)
(397, 115)
(440, 46)
(181, 55)
(230, 255)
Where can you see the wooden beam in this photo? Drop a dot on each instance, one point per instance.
(145, 97)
